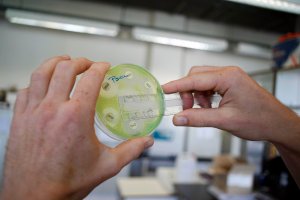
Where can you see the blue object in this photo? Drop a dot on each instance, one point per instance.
(283, 50)
(165, 136)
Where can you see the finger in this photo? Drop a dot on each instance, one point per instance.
(131, 149)
(21, 101)
(64, 77)
(88, 87)
(187, 99)
(199, 117)
(203, 98)
(200, 98)
(202, 81)
(197, 69)
(40, 79)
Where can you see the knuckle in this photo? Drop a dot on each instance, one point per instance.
(66, 117)
(81, 59)
(45, 114)
(236, 73)
(101, 66)
(47, 107)
(57, 58)
(63, 64)
(193, 69)
(51, 59)
(71, 114)
(66, 66)
(235, 70)
(38, 75)
(104, 64)
(94, 71)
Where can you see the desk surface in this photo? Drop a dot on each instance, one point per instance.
(141, 186)
(151, 187)
(193, 192)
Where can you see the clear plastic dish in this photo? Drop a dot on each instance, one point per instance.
(130, 103)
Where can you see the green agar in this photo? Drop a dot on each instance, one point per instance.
(130, 102)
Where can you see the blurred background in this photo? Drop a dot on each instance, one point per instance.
(167, 38)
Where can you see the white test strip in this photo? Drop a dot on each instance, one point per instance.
(136, 107)
(173, 105)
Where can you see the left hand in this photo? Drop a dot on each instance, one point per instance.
(53, 151)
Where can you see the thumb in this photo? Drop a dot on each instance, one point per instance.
(199, 117)
(131, 149)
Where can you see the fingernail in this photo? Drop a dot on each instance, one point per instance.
(149, 142)
(180, 120)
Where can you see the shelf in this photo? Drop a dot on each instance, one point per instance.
(262, 72)
(288, 69)
(273, 70)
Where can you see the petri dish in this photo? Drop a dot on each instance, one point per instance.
(130, 103)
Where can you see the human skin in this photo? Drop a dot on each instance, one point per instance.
(53, 151)
(246, 110)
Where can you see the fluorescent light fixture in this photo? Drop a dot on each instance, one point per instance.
(280, 5)
(179, 39)
(253, 50)
(62, 23)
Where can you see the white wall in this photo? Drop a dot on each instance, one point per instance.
(288, 87)
(23, 48)
(249, 64)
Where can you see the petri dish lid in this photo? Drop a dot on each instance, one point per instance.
(130, 103)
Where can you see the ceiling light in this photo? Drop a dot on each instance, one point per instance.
(179, 39)
(62, 23)
(280, 5)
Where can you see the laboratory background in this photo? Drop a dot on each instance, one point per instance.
(167, 38)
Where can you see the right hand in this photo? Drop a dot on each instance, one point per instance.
(246, 109)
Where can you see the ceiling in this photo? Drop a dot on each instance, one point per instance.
(220, 11)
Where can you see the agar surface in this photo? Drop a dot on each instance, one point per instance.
(130, 103)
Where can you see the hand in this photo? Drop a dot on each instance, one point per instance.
(53, 151)
(246, 109)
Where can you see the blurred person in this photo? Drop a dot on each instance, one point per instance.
(53, 152)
